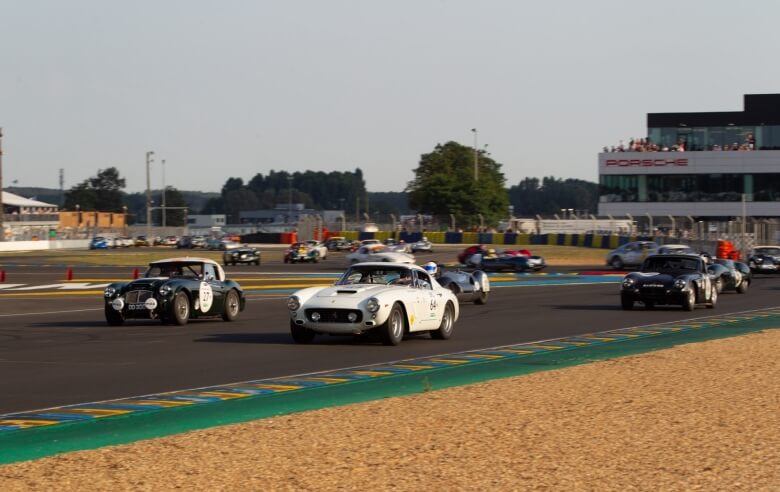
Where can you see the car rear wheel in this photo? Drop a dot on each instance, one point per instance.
(481, 298)
(181, 309)
(301, 334)
(114, 317)
(743, 287)
(690, 300)
(447, 322)
(232, 306)
(393, 329)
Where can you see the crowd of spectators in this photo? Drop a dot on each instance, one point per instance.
(646, 145)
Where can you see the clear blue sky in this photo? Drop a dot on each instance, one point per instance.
(240, 87)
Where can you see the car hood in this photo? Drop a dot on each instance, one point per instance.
(147, 283)
(357, 291)
(655, 278)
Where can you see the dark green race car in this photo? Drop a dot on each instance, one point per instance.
(174, 291)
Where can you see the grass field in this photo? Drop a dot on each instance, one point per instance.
(554, 255)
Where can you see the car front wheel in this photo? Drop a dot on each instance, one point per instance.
(301, 334)
(114, 317)
(393, 329)
(626, 303)
(713, 298)
(616, 263)
(690, 300)
(181, 309)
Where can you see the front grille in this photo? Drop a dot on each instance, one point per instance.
(334, 315)
(136, 296)
(653, 290)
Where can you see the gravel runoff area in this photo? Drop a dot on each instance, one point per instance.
(702, 416)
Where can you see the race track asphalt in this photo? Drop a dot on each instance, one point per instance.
(56, 349)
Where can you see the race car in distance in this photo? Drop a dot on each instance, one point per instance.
(319, 246)
(730, 275)
(467, 286)
(338, 243)
(631, 254)
(422, 245)
(764, 259)
(670, 279)
(98, 242)
(512, 263)
(389, 298)
(174, 291)
(378, 252)
(300, 253)
(244, 254)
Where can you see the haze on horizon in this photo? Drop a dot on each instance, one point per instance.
(246, 87)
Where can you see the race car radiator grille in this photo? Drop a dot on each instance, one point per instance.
(334, 315)
(136, 296)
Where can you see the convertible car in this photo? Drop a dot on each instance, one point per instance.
(244, 254)
(467, 286)
(389, 298)
(300, 253)
(422, 245)
(512, 263)
(765, 259)
(670, 279)
(174, 291)
(730, 275)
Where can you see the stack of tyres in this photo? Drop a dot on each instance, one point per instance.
(725, 249)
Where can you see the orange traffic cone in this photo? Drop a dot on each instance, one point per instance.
(69, 275)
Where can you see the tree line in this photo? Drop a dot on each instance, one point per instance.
(450, 181)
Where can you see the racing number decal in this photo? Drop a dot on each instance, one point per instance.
(205, 296)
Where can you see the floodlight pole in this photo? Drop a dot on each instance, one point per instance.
(149, 155)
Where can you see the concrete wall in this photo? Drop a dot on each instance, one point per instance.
(42, 245)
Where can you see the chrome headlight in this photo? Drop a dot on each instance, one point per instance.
(628, 283)
(372, 305)
(109, 292)
(293, 303)
(165, 290)
(680, 284)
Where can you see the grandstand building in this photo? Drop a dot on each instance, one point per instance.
(703, 165)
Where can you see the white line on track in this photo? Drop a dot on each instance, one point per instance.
(51, 312)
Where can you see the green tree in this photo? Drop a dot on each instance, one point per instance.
(175, 217)
(445, 184)
(102, 192)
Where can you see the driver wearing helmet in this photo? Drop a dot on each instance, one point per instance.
(432, 268)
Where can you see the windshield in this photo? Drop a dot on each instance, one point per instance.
(365, 274)
(185, 270)
(665, 264)
(768, 251)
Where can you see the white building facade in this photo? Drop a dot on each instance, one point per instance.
(727, 165)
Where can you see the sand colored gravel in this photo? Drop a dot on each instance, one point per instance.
(702, 416)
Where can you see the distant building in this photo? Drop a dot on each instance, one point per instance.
(206, 221)
(698, 165)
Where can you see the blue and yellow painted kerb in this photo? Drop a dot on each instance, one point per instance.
(33, 434)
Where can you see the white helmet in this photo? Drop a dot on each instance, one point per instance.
(431, 267)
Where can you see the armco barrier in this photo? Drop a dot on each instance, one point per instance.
(509, 238)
